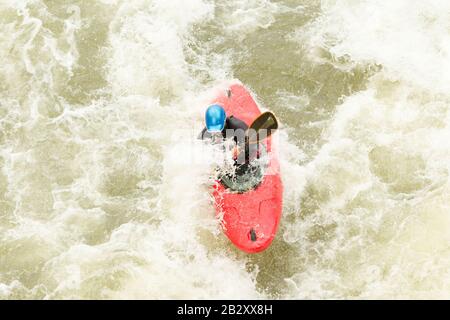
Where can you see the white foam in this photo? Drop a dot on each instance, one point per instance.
(378, 188)
(147, 40)
(408, 38)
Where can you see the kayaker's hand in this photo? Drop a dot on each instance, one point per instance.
(236, 151)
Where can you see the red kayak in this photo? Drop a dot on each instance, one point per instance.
(249, 218)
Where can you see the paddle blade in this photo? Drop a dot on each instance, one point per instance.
(262, 127)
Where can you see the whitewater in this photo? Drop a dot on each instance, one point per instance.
(104, 189)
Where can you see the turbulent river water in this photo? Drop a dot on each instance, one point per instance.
(96, 202)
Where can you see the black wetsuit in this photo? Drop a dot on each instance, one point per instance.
(236, 128)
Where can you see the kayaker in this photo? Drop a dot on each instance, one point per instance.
(216, 121)
(220, 127)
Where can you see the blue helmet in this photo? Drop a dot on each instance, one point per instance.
(215, 118)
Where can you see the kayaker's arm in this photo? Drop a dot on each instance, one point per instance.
(235, 123)
(204, 134)
(239, 127)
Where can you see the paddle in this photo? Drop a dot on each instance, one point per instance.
(263, 126)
